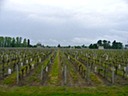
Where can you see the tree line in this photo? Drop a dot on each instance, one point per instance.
(107, 44)
(14, 42)
(23, 42)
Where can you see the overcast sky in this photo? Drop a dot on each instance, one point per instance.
(65, 22)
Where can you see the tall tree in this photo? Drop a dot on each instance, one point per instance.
(20, 41)
(1, 41)
(114, 44)
(105, 44)
(9, 41)
(25, 43)
(13, 42)
(58, 46)
(117, 45)
(28, 43)
(93, 46)
(99, 43)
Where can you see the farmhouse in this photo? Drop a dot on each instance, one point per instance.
(101, 47)
(126, 46)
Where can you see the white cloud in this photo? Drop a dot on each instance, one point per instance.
(120, 36)
(82, 40)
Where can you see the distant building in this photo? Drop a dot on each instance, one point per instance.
(126, 46)
(101, 47)
(39, 45)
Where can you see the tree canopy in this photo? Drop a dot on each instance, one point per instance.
(14, 42)
(106, 44)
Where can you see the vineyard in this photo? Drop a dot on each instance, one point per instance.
(63, 67)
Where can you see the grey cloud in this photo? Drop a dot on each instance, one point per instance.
(66, 27)
(1, 5)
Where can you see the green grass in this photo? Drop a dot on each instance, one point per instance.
(95, 79)
(54, 74)
(46, 62)
(64, 91)
(10, 80)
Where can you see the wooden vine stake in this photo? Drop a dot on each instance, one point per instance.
(127, 71)
(17, 68)
(113, 75)
(3, 67)
(88, 74)
(65, 75)
(42, 72)
(95, 69)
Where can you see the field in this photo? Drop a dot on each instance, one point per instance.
(62, 72)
